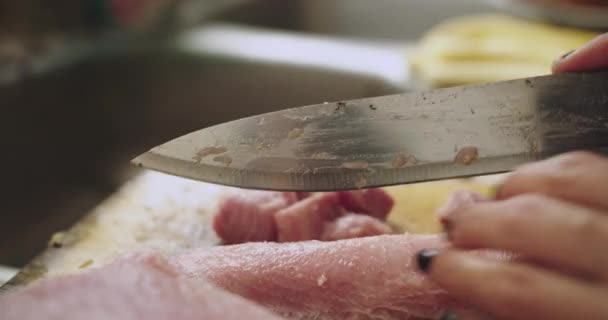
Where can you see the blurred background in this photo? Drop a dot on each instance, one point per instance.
(85, 85)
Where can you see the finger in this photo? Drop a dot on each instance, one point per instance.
(515, 291)
(459, 198)
(592, 56)
(579, 177)
(538, 227)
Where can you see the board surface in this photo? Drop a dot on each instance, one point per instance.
(163, 213)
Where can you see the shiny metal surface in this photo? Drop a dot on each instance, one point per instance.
(396, 139)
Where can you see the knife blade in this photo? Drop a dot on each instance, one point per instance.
(398, 139)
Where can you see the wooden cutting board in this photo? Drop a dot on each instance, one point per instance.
(158, 212)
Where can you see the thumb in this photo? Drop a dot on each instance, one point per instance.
(591, 56)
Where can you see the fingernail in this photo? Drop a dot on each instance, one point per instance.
(565, 55)
(425, 259)
(449, 316)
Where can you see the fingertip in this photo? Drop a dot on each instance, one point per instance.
(552, 176)
(556, 67)
(442, 262)
(454, 270)
(520, 181)
(458, 201)
(495, 286)
(591, 56)
(424, 259)
(455, 203)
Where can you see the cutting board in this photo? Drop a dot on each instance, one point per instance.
(163, 213)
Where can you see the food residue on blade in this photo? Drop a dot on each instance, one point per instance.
(340, 105)
(466, 155)
(226, 160)
(57, 240)
(85, 264)
(355, 165)
(321, 280)
(402, 159)
(202, 153)
(361, 182)
(298, 170)
(323, 156)
(295, 133)
(262, 146)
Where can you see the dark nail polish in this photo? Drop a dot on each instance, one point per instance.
(425, 258)
(449, 316)
(565, 55)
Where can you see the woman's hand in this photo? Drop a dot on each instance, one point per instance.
(555, 214)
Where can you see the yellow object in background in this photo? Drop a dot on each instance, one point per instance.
(488, 48)
(415, 204)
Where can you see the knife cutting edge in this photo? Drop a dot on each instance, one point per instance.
(398, 139)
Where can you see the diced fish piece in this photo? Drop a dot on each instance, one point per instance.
(252, 216)
(354, 226)
(374, 202)
(249, 215)
(305, 220)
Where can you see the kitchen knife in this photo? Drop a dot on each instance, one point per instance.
(398, 139)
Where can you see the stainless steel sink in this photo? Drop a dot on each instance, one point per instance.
(68, 133)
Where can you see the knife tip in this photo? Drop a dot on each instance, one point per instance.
(139, 160)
